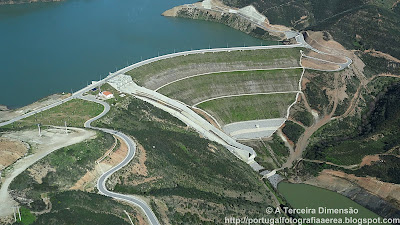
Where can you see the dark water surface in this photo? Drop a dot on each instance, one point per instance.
(47, 48)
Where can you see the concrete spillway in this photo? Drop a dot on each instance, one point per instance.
(125, 84)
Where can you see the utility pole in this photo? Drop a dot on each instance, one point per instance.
(66, 130)
(100, 85)
(40, 134)
(19, 213)
(128, 217)
(15, 217)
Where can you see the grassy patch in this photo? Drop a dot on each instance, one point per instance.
(278, 146)
(253, 107)
(248, 59)
(27, 217)
(264, 157)
(195, 89)
(75, 112)
(70, 164)
(293, 131)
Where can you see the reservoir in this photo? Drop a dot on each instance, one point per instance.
(54, 47)
(303, 196)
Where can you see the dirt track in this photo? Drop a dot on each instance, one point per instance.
(51, 140)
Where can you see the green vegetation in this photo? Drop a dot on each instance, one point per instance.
(377, 133)
(27, 217)
(249, 107)
(365, 27)
(108, 87)
(315, 89)
(61, 170)
(195, 89)
(376, 65)
(264, 158)
(351, 84)
(187, 173)
(356, 24)
(231, 20)
(289, 13)
(81, 208)
(64, 168)
(249, 59)
(278, 146)
(75, 112)
(293, 131)
(304, 117)
(387, 169)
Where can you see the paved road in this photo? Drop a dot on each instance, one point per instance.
(101, 183)
(136, 65)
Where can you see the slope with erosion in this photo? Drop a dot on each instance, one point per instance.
(353, 117)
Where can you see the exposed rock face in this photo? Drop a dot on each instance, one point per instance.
(230, 19)
(384, 207)
(371, 202)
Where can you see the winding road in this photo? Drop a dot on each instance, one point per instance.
(129, 142)
(101, 183)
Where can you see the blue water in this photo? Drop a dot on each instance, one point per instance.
(48, 48)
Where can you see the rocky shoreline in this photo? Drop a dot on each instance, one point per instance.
(15, 2)
(234, 20)
(385, 207)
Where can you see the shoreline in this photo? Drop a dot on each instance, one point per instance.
(26, 2)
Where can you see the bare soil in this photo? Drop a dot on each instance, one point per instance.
(11, 150)
(387, 191)
(331, 58)
(88, 181)
(208, 118)
(369, 159)
(51, 140)
(318, 65)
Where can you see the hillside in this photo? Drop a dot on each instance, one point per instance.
(357, 24)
